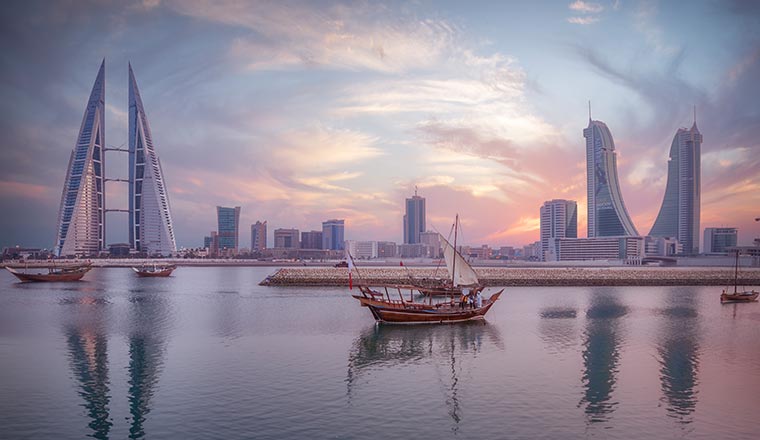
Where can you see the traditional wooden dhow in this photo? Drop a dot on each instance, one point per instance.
(154, 270)
(52, 274)
(737, 296)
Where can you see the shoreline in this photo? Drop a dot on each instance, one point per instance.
(513, 277)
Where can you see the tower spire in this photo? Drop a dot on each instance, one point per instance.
(589, 110)
(415, 190)
(694, 126)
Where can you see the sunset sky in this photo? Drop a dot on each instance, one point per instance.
(303, 111)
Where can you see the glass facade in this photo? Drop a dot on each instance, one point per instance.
(607, 214)
(679, 214)
(228, 221)
(332, 234)
(151, 229)
(414, 219)
(81, 217)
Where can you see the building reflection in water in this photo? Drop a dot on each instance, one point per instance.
(149, 315)
(386, 347)
(87, 342)
(679, 354)
(601, 353)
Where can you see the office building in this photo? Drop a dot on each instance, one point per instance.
(386, 249)
(81, 225)
(311, 240)
(364, 250)
(607, 215)
(258, 236)
(627, 249)
(432, 243)
(332, 234)
(414, 219)
(150, 219)
(228, 221)
(680, 211)
(286, 238)
(559, 219)
(718, 240)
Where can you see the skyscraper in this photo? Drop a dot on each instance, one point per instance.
(680, 211)
(332, 234)
(607, 215)
(414, 219)
(286, 238)
(559, 219)
(311, 240)
(258, 236)
(228, 220)
(81, 217)
(150, 220)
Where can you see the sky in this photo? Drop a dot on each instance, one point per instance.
(303, 111)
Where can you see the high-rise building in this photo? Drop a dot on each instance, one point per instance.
(311, 240)
(286, 238)
(718, 240)
(559, 219)
(332, 234)
(81, 217)
(258, 236)
(414, 219)
(680, 211)
(150, 219)
(228, 220)
(607, 215)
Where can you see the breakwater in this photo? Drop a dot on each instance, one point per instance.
(493, 276)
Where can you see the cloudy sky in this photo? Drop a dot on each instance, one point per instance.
(303, 111)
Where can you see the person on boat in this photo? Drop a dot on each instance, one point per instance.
(478, 300)
(465, 298)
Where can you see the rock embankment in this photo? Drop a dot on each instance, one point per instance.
(624, 276)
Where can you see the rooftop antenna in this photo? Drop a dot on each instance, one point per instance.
(415, 190)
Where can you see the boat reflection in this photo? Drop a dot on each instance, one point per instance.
(149, 314)
(87, 343)
(558, 328)
(387, 347)
(678, 354)
(601, 353)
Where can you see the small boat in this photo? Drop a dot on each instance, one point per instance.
(54, 273)
(737, 296)
(155, 270)
(463, 284)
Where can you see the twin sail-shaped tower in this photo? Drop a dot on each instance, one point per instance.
(82, 215)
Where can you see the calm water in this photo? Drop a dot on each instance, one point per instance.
(210, 354)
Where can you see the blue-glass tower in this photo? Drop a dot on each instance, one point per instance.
(81, 217)
(228, 222)
(607, 215)
(150, 220)
(333, 234)
(679, 214)
(414, 219)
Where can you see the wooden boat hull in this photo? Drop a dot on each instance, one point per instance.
(402, 312)
(154, 274)
(50, 277)
(750, 296)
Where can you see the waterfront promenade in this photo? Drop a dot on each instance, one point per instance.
(524, 276)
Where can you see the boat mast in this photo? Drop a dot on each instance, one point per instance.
(736, 271)
(454, 264)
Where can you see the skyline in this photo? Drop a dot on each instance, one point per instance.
(285, 110)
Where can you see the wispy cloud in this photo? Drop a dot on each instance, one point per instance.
(589, 19)
(587, 7)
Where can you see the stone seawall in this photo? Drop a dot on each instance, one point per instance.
(626, 276)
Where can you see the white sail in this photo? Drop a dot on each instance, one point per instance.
(461, 272)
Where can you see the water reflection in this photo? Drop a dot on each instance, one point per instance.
(149, 313)
(87, 344)
(558, 327)
(601, 353)
(387, 347)
(679, 354)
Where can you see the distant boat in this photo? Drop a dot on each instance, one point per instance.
(155, 270)
(54, 273)
(737, 296)
(463, 284)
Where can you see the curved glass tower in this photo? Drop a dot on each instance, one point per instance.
(607, 215)
(680, 211)
(81, 217)
(150, 220)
